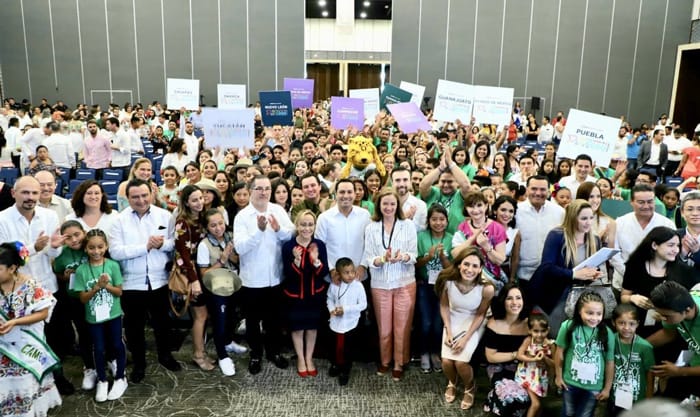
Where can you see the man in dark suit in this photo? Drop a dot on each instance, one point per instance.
(653, 154)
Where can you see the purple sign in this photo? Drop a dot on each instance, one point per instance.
(302, 92)
(410, 118)
(346, 112)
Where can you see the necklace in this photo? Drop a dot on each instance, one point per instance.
(391, 235)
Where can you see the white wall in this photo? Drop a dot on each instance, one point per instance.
(367, 36)
(696, 10)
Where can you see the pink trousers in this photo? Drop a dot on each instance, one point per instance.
(394, 312)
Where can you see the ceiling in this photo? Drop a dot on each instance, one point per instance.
(364, 9)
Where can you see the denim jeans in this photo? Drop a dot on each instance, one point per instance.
(430, 326)
(219, 310)
(578, 402)
(111, 331)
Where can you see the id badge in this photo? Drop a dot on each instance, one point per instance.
(650, 318)
(71, 282)
(624, 398)
(585, 372)
(432, 276)
(102, 313)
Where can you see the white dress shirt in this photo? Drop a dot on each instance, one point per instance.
(60, 206)
(192, 146)
(60, 150)
(627, 237)
(534, 226)
(176, 160)
(128, 241)
(389, 276)
(676, 145)
(121, 157)
(29, 142)
(343, 236)
(353, 300)
(15, 227)
(572, 183)
(261, 251)
(421, 216)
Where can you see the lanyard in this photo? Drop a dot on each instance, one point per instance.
(391, 235)
(618, 348)
(346, 290)
(589, 341)
(92, 272)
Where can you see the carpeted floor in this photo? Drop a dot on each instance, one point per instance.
(274, 392)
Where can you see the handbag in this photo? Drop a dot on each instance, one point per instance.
(179, 285)
(605, 292)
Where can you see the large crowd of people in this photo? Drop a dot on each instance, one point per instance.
(462, 246)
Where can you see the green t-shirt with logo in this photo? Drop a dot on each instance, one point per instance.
(584, 360)
(425, 242)
(632, 363)
(690, 330)
(103, 306)
(453, 203)
(69, 259)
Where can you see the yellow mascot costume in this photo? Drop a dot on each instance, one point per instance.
(362, 156)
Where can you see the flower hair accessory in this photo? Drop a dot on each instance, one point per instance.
(23, 253)
(555, 189)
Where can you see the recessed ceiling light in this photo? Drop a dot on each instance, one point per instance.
(371, 56)
(321, 3)
(386, 7)
(324, 13)
(366, 4)
(363, 15)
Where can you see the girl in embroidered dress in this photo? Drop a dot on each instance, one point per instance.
(23, 306)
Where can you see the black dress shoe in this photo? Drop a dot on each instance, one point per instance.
(170, 363)
(254, 366)
(333, 371)
(137, 375)
(279, 361)
(63, 385)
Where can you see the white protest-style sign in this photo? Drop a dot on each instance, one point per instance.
(229, 128)
(453, 101)
(183, 93)
(417, 91)
(231, 96)
(492, 105)
(590, 134)
(371, 98)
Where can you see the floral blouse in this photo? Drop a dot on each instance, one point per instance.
(187, 238)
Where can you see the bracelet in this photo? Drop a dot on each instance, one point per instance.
(490, 249)
(515, 355)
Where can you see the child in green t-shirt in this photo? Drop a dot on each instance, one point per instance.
(634, 358)
(584, 362)
(100, 284)
(64, 266)
(434, 248)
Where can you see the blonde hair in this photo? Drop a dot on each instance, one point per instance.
(570, 227)
(137, 164)
(297, 219)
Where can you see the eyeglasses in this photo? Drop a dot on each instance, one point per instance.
(262, 189)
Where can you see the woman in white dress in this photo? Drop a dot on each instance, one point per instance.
(465, 296)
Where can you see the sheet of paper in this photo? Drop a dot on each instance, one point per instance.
(603, 255)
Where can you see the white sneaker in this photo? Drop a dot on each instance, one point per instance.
(234, 347)
(118, 388)
(227, 367)
(113, 367)
(425, 363)
(101, 392)
(89, 379)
